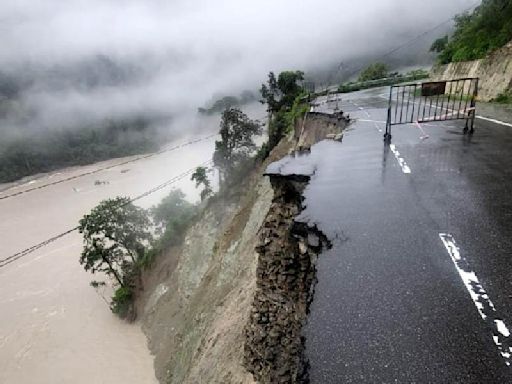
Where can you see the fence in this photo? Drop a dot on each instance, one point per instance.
(432, 101)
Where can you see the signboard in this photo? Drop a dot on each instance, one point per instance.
(433, 89)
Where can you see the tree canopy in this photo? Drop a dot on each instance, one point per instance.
(487, 28)
(439, 45)
(115, 235)
(281, 95)
(374, 71)
(281, 92)
(200, 176)
(237, 132)
(44, 151)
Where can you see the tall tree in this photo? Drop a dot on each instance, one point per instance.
(200, 176)
(237, 132)
(115, 235)
(281, 92)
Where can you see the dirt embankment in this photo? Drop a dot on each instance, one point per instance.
(200, 299)
(494, 71)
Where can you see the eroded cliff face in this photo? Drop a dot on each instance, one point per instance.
(199, 295)
(494, 71)
(228, 305)
(285, 280)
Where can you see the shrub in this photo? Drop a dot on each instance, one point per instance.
(122, 303)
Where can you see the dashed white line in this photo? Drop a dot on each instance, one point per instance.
(483, 303)
(400, 159)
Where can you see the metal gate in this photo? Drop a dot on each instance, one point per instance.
(432, 101)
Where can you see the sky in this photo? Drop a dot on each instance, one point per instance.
(91, 59)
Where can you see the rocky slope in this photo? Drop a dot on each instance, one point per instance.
(205, 307)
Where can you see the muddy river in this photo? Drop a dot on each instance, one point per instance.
(54, 327)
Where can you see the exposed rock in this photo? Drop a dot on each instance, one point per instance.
(286, 275)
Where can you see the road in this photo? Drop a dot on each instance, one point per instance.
(54, 327)
(417, 285)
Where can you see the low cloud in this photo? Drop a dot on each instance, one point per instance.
(83, 60)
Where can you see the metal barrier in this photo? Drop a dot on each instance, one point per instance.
(432, 101)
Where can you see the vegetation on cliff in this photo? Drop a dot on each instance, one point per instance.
(236, 142)
(119, 242)
(119, 237)
(285, 98)
(487, 28)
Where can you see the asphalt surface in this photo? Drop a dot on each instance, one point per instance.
(417, 285)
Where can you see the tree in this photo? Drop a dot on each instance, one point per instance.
(236, 144)
(439, 45)
(270, 93)
(374, 71)
(116, 233)
(281, 92)
(171, 217)
(288, 84)
(200, 175)
(280, 95)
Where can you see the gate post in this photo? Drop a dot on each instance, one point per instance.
(387, 134)
(473, 105)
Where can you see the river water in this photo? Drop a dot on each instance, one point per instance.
(54, 327)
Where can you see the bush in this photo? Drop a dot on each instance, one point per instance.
(504, 98)
(122, 303)
(263, 152)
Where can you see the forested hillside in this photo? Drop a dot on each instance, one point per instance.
(49, 150)
(487, 28)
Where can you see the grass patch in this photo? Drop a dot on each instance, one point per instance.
(504, 98)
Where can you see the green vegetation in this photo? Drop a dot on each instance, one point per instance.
(116, 234)
(171, 218)
(286, 101)
(227, 102)
(50, 150)
(236, 145)
(118, 242)
(504, 98)
(122, 302)
(200, 176)
(394, 78)
(374, 71)
(439, 45)
(487, 28)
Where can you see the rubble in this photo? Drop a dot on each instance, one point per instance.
(286, 276)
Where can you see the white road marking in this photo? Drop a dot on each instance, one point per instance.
(400, 159)
(367, 115)
(494, 121)
(480, 298)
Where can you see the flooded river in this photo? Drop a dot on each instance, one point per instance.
(55, 328)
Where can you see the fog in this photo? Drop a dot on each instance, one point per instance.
(66, 63)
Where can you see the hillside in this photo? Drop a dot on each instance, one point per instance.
(476, 34)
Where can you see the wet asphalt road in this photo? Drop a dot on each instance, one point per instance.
(391, 304)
